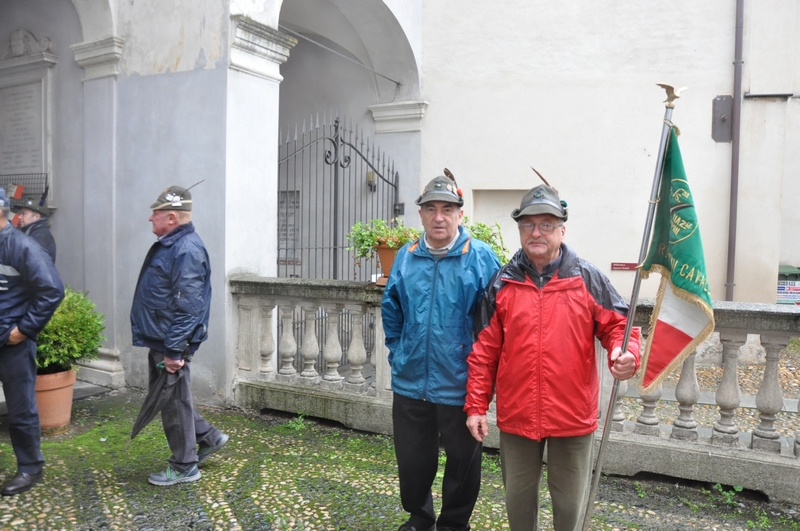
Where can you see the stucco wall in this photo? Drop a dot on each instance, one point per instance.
(571, 90)
(169, 133)
(176, 36)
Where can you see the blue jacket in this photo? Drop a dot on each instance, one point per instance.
(30, 288)
(173, 295)
(428, 307)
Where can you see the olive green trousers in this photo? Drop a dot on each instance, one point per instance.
(569, 468)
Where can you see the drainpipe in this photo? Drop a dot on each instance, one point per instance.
(735, 124)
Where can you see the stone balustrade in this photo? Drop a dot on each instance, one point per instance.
(334, 366)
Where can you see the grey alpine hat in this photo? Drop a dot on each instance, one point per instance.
(541, 200)
(30, 204)
(442, 188)
(174, 198)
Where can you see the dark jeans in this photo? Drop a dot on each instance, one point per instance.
(18, 374)
(183, 426)
(419, 427)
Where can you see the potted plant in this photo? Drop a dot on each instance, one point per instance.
(382, 237)
(73, 333)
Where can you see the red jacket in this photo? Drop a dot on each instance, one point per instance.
(535, 348)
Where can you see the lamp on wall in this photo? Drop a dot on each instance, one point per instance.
(371, 184)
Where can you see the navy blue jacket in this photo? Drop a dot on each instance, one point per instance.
(39, 231)
(30, 288)
(173, 295)
(428, 308)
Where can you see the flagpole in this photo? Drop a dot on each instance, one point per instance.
(672, 95)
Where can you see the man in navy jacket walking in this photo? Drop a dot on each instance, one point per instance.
(170, 317)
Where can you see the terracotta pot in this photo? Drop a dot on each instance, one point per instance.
(386, 256)
(54, 400)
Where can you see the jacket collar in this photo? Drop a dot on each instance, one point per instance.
(177, 233)
(36, 224)
(566, 268)
(458, 247)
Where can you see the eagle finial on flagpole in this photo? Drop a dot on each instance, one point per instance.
(672, 94)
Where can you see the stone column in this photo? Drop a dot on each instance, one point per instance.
(687, 393)
(309, 350)
(647, 423)
(332, 351)
(769, 399)
(728, 396)
(255, 54)
(287, 347)
(356, 353)
(100, 60)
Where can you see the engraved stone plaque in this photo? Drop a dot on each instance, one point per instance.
(21, 134)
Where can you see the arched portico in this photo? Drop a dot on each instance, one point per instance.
(97, 19)
(363, 65)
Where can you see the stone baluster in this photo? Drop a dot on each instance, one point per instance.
(618, 416)
(687, 393)
(332, 351)
(287, 347)
(356, 352)
(769, 399)
(728, 395)
(267, 341)
(309, 350)
(647, 423)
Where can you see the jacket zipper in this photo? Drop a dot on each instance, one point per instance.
(539, 371)
(428, 338)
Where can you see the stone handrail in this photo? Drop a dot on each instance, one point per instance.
(315, 378)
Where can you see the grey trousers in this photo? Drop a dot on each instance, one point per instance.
(569, 469)
(183, 425)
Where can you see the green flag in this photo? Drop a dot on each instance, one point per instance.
(683, 316)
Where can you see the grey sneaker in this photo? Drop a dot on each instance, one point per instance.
(171, 477)
(204, 452)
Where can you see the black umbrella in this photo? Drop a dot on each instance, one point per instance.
(161, 392)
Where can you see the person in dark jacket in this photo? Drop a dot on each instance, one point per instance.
(33, 221)
(535, 349)
(30, 292)
(427, 309)
(169, 316)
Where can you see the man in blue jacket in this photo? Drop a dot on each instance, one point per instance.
(428, 308)
(30, 292)
(170, 317)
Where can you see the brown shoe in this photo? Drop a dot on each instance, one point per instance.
(20, 483)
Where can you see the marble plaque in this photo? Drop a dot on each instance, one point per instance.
(288, 205)
(21, 129)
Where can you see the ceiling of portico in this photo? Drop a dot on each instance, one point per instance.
(365, 29)
(97, 19)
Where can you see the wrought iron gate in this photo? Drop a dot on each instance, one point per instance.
(329, 177)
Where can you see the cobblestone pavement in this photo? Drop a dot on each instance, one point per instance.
(283, 472)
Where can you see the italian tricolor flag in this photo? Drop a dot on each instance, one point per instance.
(683, 316)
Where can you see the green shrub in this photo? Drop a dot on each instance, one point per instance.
(490, 235)
(74, 333)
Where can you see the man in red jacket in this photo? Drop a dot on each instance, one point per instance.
(535, 330)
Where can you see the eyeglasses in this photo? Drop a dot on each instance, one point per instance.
(544, 228)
